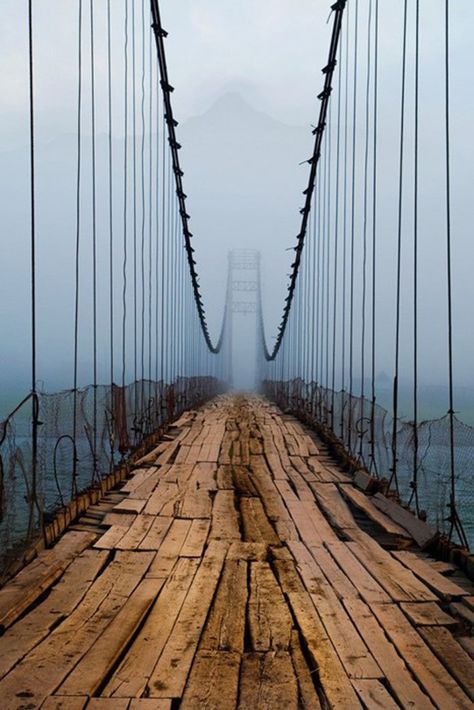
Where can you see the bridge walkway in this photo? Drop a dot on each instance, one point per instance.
(237, 566)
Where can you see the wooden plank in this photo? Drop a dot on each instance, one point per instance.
(213, 682)
(107, 704)
(404, 687)
(34, 579)
(156, 533)
(269, 619)
(135, 533)
(196, 539)
(89, 673)
(170, 673)
(140, 476)
(256, 526)
(368, 588)
(19, 639)
(351, 649)
(121, 519)
(335, 508)
(242, 482)
(308, 697)
(419, 530)
(341, 584)
(225, 626)
(427, 614)
(467, 642)
(224, 519)
(150, 704)
(110, 539)
(224, 477)
(440, 585)
(130, 505)
(429, 672)
(248, 551)
(365, 504)
(268, 681)
(163, 499)
(131, 677)
(452, 655)
(175, 538)
(374, 695)
(43, 669)
(334, 681)
(398, 581)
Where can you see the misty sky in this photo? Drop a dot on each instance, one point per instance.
(269, 55)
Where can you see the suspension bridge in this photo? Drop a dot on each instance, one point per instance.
(169, 542)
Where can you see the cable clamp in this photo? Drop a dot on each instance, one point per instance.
(325, 93)
(339, 5)
(166, 87)
(329, 67)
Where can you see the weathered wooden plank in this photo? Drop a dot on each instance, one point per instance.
(365, 504)
(131, 677)
(136, 533)
(340, 582)
(427, 614)
(156, 533)
(248, 551)
(175, 538)
(268, 681)
(225, 626)
(452, 655)
(398, 581)
(89, 673)
(19, 639)
(224, 518)
(431, 675)
(419, 530)
(45, 667)
(196, 539)
(269, 619)
(130, 505)
(404, 687)
(351, 649)
(32, 581)
(334, 681)
(440, 585)
(170, 674)
(368, 588)
(308, 698)
(256, 526)
(57, 702)
(374, 695)
(213, 683)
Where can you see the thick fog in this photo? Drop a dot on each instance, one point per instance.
(246, 79)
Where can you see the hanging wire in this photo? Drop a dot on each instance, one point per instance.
(94, 245)
(393, 477)
(111, 222)
(125, 203)
(414, 482)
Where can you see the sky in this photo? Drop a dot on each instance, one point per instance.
(267, 55)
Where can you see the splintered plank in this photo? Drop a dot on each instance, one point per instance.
(440, 585)
(34, 579)
(131, 677)
(225, 519)
(334, 681)
(365, 504)
(325, 473)
(269, 493)
(419, 530)
(404, 687)
(242, 482)
(308, 697)
(368, 588)
(140, 478)
(351, 649)
(374, 695)
(163, 498)
(156, 533)
(269, 619)
(257, 527)
(275, 465)
(89, 673)
(195, 539)
(62, 600)
(427, 614)
(213, 682)
(248, 551)
(398, 581)
(46, 666)
(431, 675)
(170, 674)
(452, 656)
(268, 680)
(225, 626)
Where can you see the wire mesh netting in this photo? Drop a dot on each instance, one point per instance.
(109, 422)
(423, 464)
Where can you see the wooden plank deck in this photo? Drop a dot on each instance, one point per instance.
(232, 571)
